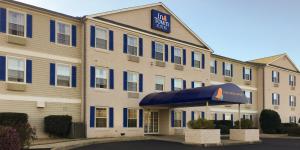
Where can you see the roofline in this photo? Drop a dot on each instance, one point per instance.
(151, 5)
(36, 8)
(234, 60)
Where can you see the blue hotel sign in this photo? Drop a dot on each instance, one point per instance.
(160, 21)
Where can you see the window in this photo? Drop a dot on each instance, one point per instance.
(101, 38)
(159, 83)
(177, 119)
(63, 75)
(228, 69)
(292, 80)
(275, 98)
(16, 23)
(247, 74)
(247, 116)
(292, 100)
(101, 117)
(159, 54)
(197, 58)
(212, 66)
(293, 119)
(178, 85)
(275, 76)
(197, 84)
(132, 118)
(248, 96)
(132, 46)
(63, 34)
(15, 69)
(132, 81)
(177, 56)
(101, 78)
(227, 116)
(197, 115)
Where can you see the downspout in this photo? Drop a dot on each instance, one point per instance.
(264, 87)
(83, 20)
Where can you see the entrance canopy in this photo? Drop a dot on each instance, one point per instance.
(213, 95)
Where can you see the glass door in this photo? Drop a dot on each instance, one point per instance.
(151, 122)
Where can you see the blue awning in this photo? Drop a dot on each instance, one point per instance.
(215, 95)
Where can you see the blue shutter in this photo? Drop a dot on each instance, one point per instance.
(125, 117)
(140, 82)
(184, 84)
(111, 78)
(125, 43)
(203, 115)
(250, 74)
(192, 115)
(278, 99)
(52, 31)
(273, 80)
(28, 71)
(29, 26)
(244, 73)
(172, 118)
(92, 116)
(2, 68)
(193, 63)
(250, 97)
(203, 61)
(92, 76)
(172, 54)
(184, 56)
(92, 36)
(74, 35)
(141, 46)
(272, 98)
(74, 76)
(203, 84)
(231, 70)
(193, 84)
(153, 50)
(244, 116)
(216, 116)
(111, 117)
(172, 84)
(166, 53)
(141, 115)
(223, 68)
(232, 123)
(125, 81)
(223, 117)
(111, 40)
(3, 20)
(278, 77)
(251, 117)
(216, 67)
(52, 74)
(184, 119)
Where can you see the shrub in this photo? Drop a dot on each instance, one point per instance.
(284, 127)
(295, 131)
(245, 124)
(224, 125)
(201, 124)
(13, 119)
(58, 125)
(9, 139)
(26, 133)
(269, 121)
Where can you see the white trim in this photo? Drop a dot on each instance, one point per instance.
(137, 118)
(107, 39)
(39, 54)
(224, 110)
(70, 82)
(241, 86)
(56, 31)
(7, 22)
(107, 79)
(137, 44)
(25, 69)
(11, 97)
(107, 117)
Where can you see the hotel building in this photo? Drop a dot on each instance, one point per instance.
(97, 69)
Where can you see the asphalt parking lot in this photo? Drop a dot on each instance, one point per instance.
(272, 144)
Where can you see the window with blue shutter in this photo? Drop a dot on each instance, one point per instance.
(52, 31)
(74, 35)
(203, 115)
(111, 78)
(192, 115)
(111, 40)
(125, 81)
(193, 58)
(111, 117)
(172, 84)
(92, 76)
(52, 74)
(141, 115)
(29, 26)
(172, 118)
(125, 117)
(2, 68)
(184, 56)
(92, 36)
(184, 84)
(153, 50)
(125, 43)
(141, 47)
(184, 119)
(74, 76)
(203, 61)
(172, 54)
(166, 53)
(3, 20)
(140, 82)
(28, 71)
(92, 116)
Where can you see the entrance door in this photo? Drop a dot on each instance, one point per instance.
(151, 122)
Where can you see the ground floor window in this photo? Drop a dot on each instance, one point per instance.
(101, 117)
(197, 115)
(247, 116)
(132, 118)
(227, 116)
(293, 119)
(177, 119)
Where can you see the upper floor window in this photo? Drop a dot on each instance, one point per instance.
(197, 59)
(15, 69)
(132, 45)
(213, 66)
(228, 69)
(132, 81)
(247, 73)
(159, 51)
(292, 101)
(63, 34)
(292, 80)
(101, 117)
(248, 95)
(275, 99)
(16, 23)
(132, 118)
(63, 75)
(101, 78)
(159, 83)
(177, 56)
(177, 119)
(275, 76)
(101, 38)
(178, 84)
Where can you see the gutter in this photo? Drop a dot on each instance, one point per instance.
(83, 21)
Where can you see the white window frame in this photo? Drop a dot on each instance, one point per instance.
(137, 117)
(107, 74)
(7, 22)
(107, 117)
(178, 79)
(249, 73)
(212, 65)
(25, 69)
(197, 82)
(56, 70)
(276, 101)
(226, 65)
(137, 86)
(56, 31)
(181, 55)
(197, 53)
(276, 73)
(137, 44)
(181, 121)
(107, 38)
(161, 77)
(163, 51)
(292, 101)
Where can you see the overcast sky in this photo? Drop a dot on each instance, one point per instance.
(240, 29)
